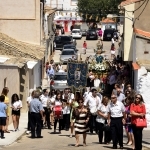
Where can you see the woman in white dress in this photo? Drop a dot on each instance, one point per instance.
(112, 50)
(97, 82)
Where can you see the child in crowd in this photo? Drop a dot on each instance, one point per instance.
(3, 108)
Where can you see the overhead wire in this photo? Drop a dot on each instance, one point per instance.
(141, 12)
(143, 9)
(137, 8)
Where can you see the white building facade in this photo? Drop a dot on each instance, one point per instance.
(67, 14)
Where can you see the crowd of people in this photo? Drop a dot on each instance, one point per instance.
(106, 112)
(90, 111)
(81, 112)
(16, 105)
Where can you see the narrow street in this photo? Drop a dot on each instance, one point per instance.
(103, 92)
(91, 45)
(61, 141)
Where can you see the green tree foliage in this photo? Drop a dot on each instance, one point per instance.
(97, 8)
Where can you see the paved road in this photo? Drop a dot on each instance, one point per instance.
(91, 45)
(58, 142)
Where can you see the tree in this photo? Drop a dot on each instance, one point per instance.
(97, 9)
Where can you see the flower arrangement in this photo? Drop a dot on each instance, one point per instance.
(97, 67)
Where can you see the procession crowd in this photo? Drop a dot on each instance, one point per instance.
(106, 107)
(104, 113)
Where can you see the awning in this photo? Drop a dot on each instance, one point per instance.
(31, 64)
(135, 66)
(3, 59)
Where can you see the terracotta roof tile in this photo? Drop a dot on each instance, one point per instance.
(135, 66)
(128, 2)
(141, 32)
(19, 52)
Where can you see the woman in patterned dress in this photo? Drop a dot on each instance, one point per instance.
(74, 104)
(81, 116)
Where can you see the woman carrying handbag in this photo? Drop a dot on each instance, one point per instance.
(102, 121)
(138, 121)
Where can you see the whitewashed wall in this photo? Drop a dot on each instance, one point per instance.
(67, 4)
(143, 87)
(35, 76)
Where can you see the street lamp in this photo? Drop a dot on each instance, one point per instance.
(115, 16)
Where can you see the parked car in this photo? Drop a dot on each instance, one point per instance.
(68, 54)
(60, 41)
(70, 46)
(91, 35)
(83, 32)
(108, 34)
(59, 81)
(76, 34)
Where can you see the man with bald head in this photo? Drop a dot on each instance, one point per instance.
(36, 110)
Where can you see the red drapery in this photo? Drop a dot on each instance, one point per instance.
(66, 26)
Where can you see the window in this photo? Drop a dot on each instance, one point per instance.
(66, 38)
(60, 77)
(75, 31)
(69, 47)
(68, 53)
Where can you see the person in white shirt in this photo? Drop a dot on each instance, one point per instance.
(101, 120)
(116, 119)
(44, 100)
(71, 94)
(86, 94)
(120, 95)
(16, 105)
(97, 82)
(93, 103)
(29, 99)
(66, 109)
(112, 40)
(59, 67)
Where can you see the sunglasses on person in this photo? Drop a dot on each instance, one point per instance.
(138, 97)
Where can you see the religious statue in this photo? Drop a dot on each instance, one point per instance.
(99, 58)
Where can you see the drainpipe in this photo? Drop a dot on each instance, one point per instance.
(135, 72)
(41, 22)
